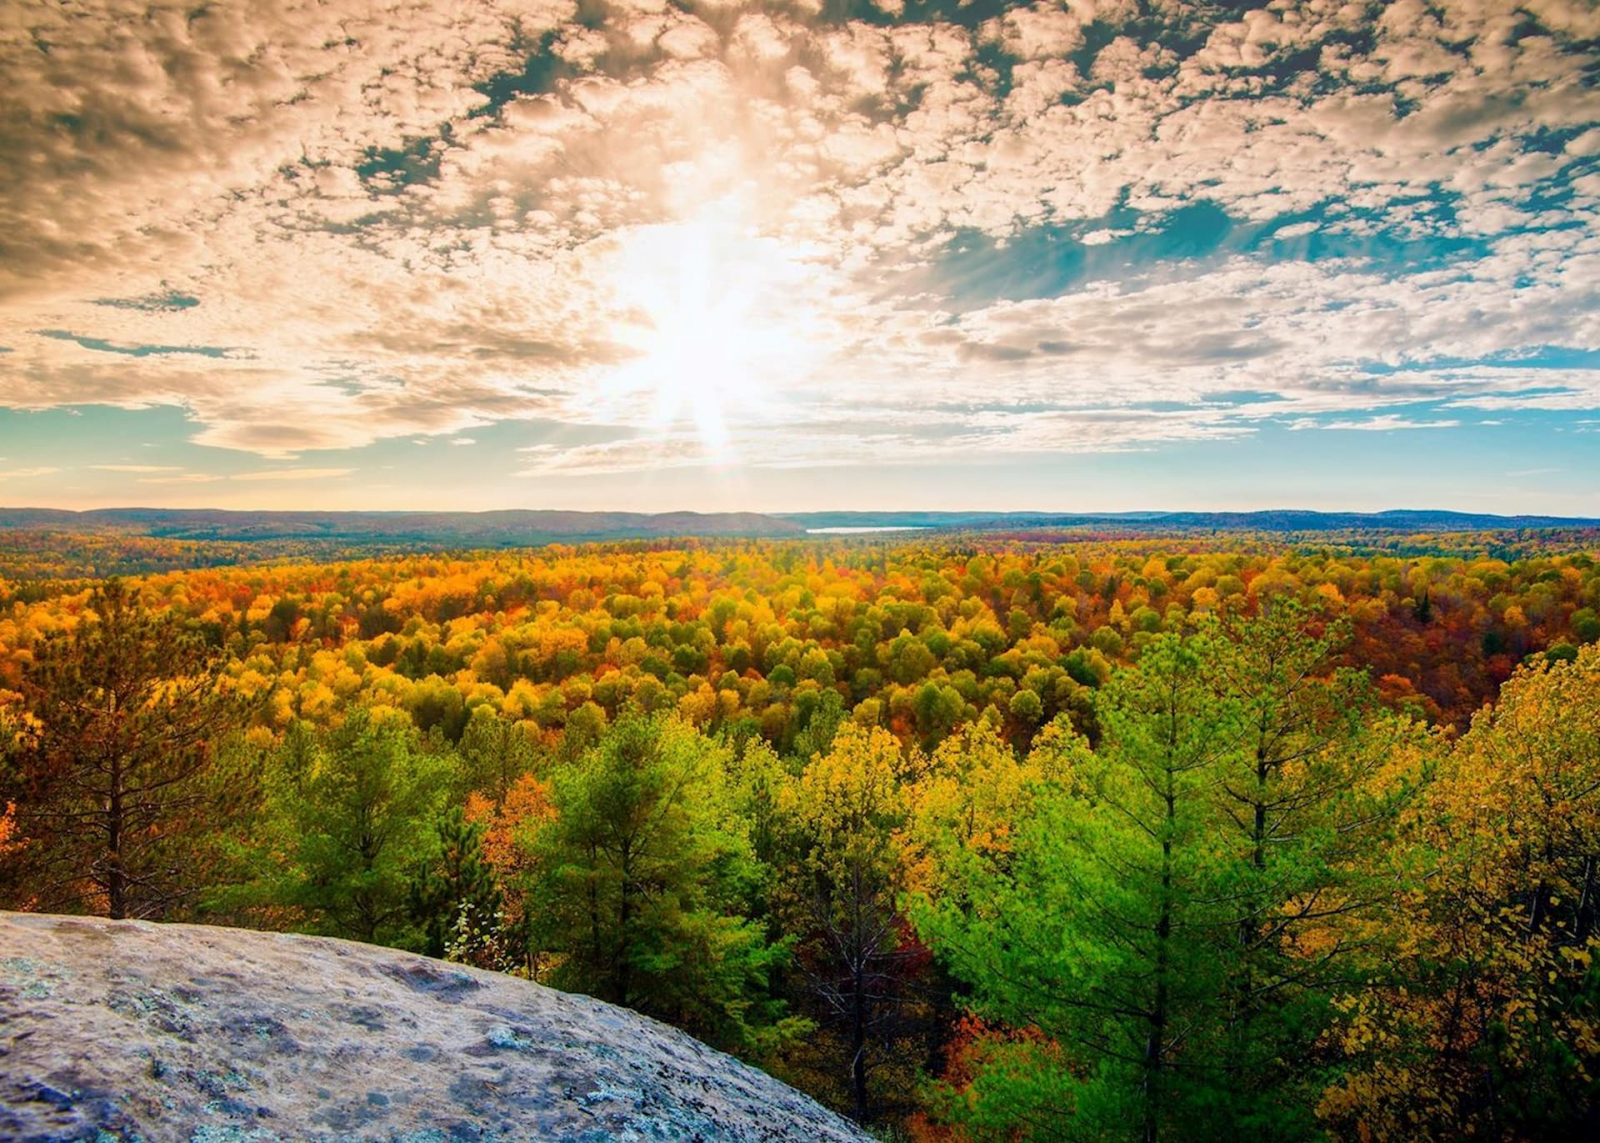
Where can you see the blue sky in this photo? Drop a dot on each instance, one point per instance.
(787, 256)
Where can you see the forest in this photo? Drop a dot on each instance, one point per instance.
(970, 837)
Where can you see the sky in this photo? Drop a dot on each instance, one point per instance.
(1074, 256)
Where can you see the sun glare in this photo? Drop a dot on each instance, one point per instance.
(719, 318)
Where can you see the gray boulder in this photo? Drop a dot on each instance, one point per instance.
(132, 1030)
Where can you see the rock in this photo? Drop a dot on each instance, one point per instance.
(127, 1029)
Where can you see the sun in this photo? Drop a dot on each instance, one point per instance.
(720, 319)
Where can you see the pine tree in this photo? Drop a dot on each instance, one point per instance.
(348, 815)
(494, 752)
(125, 712)
(1308, 801)
(456, 885)
(645, 874)
(1098, 923)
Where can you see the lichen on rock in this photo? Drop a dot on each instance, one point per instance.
(131, 1030)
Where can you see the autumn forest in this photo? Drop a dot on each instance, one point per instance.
(1026, 836)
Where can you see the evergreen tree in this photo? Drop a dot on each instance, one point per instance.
(494, 752)
(347, 817)
(108, 771)
(1100, 924)
(454, 897)
(1308, 810)
(644, 877)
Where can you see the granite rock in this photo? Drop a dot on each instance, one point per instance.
(132, 1030)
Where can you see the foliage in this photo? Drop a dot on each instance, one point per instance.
(1169, 913)
(347, 815)
(644, 871)
(455, 897)
(1486, 1017)
(841, 876)
(793, 638)
(1049, 836)
(105, 773)
(1099, 925)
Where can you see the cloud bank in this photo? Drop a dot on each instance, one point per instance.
(769, 234)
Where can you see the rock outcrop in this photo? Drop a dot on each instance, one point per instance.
(126, 1029)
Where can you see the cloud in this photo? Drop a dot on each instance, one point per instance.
(267, 475)
(134, 467)
(316, 229)
(294, 474)
(1385, 423)
(608, 457)
(26, 473)
(183, 478)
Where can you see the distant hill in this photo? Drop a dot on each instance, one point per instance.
(514, 528)
(1272, 520)
(508, 528)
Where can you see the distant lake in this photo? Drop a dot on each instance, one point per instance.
(862, 531)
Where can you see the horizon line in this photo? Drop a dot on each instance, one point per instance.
(788, 513)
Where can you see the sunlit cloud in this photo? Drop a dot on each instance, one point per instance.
(1384, 423)
(755, 236)
(311, 474)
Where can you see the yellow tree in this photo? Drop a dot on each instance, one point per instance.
(1490, 1024)
(975, 791)
(839, 891)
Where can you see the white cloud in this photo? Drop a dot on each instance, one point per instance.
(294, 474)
(275, 474)
(367, 250)
(1384, 423)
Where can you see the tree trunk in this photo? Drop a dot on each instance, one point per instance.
(624, 918)
(858, 1046)
(1585, 919)
(1155, 1043)
(116, 877)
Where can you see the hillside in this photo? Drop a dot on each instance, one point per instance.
(529, 528)
(1277, 520)
(460, 529)
(181, 1031)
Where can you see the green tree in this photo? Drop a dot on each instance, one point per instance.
(1308, 805)
(822, 722)
(937, 709)
(454, 897)
(348, 815)
(494, 753)
(646, 875)
(1099, 923)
